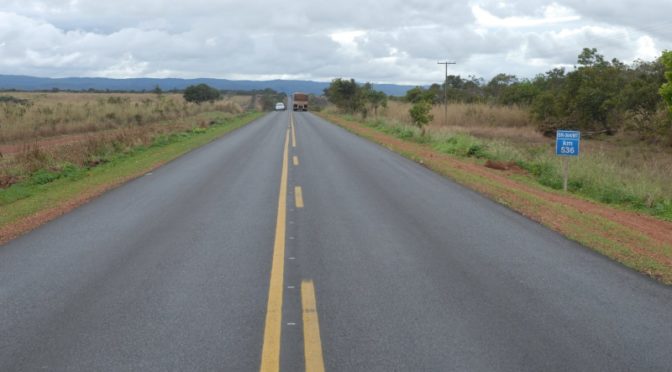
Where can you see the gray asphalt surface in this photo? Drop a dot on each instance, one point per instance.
(412, 272)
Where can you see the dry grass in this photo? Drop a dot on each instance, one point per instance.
(619, 170)
(480, 120)
(466, 115)
(53, 114)
(57, 130)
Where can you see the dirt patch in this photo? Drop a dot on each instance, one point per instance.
(505, 166)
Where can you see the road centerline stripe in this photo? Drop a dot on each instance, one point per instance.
(295, 159)
(293, 131)
(298, 196)
(312, 343)
(270, 354)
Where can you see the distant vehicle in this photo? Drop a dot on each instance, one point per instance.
(279, 106)
(300, 101)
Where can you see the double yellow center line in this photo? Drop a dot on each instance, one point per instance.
(270, 354)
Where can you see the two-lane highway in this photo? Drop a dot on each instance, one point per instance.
(293, 244)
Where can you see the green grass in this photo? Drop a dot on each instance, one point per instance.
(596, 176)
(47, 188)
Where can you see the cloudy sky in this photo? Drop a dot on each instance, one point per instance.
(381, 41)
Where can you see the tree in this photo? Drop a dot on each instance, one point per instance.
(420, 114)
(587, 98)
(345, 94)
(419, 94)
(414, 95)
(373, 98)
(666, 89)
(351, 97)
(157, 90)
(498, 85)
(589, 58)
(201, 93)
(519, 93)
(377, 99)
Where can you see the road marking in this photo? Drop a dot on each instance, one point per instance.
(298, 196)
(312, 344)
(293, 131)
(296, 160)
(270, 353)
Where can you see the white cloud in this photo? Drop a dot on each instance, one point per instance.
(646, 48)
(128, 67)
(392, 41)
(552, 14)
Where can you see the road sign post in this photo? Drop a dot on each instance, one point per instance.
(567, 144)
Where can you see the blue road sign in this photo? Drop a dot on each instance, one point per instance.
(567, 143)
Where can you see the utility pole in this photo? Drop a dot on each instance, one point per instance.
(445, 92)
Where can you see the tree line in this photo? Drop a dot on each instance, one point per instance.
(204, 93)
(351, 97)
(597, 96)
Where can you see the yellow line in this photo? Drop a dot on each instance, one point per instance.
(270, 354)
(312, 344)
(298, 196)
(296, 160)
(293, 131)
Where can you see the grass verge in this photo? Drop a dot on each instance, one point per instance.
(48, 194)
(641, 242)
(595, 175)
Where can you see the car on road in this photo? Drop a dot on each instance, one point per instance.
(279, 106)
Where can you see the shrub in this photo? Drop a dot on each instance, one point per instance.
(201, 93)
(420, 114)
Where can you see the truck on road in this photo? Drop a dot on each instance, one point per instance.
(300, 101)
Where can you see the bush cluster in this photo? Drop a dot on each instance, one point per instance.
(598, 96)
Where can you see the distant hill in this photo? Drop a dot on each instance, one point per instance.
(29, 83)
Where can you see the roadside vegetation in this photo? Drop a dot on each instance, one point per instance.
(509, 123)
(56, 147)
(498, 139)
(27, 117)
(44, 133)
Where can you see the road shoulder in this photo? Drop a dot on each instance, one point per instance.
(638, 241)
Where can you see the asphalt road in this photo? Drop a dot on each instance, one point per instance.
(213, 262)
